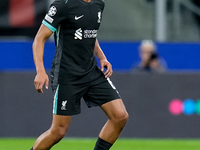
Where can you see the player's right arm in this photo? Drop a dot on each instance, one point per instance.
(38, 51)
(57, 12)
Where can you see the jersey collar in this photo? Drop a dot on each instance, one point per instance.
(86, 2)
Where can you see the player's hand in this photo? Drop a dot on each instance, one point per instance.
(108, 66)
(40, 80)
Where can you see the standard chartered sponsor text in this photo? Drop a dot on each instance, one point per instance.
(90, 33)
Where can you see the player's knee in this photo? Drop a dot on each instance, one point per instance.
(124, 118)
(58, 133)
(121, 118)
(61, 133)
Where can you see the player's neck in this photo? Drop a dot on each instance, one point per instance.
(87, 1)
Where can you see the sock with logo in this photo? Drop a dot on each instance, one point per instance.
(31, 148)
(102, 145)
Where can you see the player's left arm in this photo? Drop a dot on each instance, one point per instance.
(103, 60)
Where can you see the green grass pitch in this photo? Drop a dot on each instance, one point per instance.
(121, 144)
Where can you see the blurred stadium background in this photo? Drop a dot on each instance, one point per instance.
(163, 105)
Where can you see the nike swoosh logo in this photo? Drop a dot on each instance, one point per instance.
(77, 18)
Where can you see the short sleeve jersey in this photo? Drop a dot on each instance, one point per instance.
(75, 24)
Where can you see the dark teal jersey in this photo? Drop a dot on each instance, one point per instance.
(76, 24)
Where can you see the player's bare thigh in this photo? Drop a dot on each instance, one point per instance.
(115, 109)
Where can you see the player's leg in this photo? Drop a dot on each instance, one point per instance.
(117, 118)
(105, 95)
(54, 134)
(66, 103)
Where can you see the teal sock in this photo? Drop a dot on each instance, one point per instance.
(102, 145)
(31, 149)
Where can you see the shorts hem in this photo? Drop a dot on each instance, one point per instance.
(108, 101)
(72, 114)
